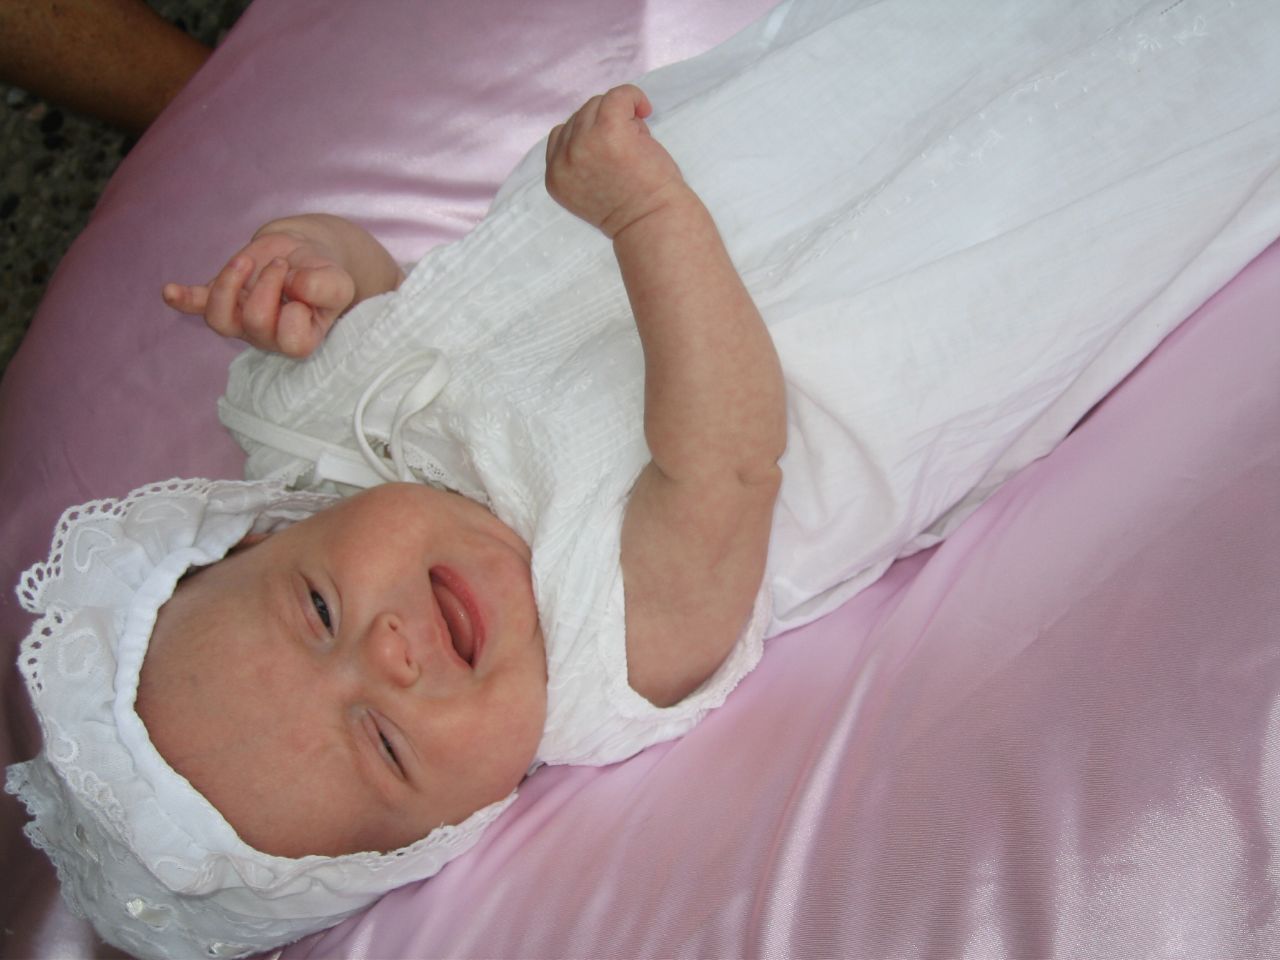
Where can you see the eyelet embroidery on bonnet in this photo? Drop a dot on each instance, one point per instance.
(139, 852)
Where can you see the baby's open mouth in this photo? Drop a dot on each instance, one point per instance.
(457, 614)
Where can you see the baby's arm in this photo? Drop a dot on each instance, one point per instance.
(284, 290)
(696, 531)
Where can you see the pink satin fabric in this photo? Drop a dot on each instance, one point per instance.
(1054, 735)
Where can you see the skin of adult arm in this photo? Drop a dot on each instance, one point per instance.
(117, 60)
(696, 531)
(284, 290)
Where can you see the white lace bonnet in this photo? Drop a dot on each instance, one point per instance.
(139, 852)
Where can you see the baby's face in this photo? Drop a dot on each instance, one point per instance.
(355, 680)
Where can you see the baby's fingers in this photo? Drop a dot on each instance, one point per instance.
(186, 299)
(585, 118)
(299, 330)
(330, 289)
(626, 102)
(261, 306)
(553, 141)
(222, 308)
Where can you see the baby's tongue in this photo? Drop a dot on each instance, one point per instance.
(456, 619)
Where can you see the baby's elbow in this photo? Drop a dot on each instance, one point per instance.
(666, 684)
(660, 692)
(762, 479)
(760, 466)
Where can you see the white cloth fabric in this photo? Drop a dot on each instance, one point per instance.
(142, 854)
(962, 224)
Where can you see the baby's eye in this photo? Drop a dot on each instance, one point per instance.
(386, 745)
(322, 610)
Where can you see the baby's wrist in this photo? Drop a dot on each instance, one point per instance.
(670, 203)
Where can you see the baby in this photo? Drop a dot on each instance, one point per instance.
(374, 674)
(386, 654)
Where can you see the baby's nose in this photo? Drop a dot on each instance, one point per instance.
(389, 652)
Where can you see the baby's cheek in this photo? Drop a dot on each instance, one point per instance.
(513, 725)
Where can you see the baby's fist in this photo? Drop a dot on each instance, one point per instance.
(604, 166)
(281, 293)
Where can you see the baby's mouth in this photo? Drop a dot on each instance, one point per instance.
(457, 615)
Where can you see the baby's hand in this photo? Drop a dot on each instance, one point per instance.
(282, 293)
(605, 167)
